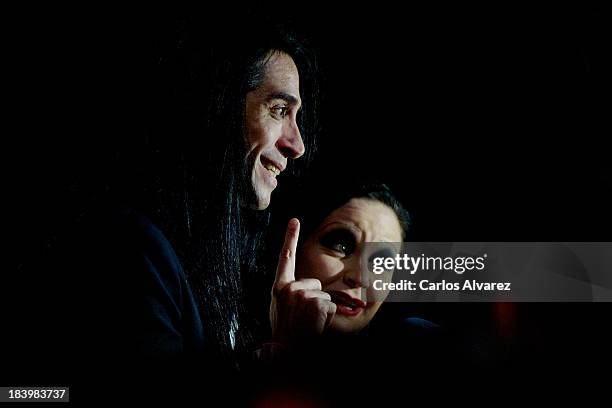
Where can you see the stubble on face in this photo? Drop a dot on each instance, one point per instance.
(270, 113)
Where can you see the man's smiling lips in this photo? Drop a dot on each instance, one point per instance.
(272, 169)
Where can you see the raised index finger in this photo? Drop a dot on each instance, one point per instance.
(285, 271)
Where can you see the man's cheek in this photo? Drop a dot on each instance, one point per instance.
(270, 133)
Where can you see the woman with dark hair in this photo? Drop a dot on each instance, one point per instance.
(325, 340)
(321, 290)
(331, 252)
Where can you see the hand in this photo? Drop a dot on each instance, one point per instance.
(299, 308)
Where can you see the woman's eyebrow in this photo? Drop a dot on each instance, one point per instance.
(349, 226)
(357, 231)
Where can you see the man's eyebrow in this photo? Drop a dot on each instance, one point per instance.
(285, 97)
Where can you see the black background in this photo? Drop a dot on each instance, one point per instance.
(490, 123)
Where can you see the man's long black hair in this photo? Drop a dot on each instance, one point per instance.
(197, 184)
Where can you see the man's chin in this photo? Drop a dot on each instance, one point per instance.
(261, 201)
(257, 197)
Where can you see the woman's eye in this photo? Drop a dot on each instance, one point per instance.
(340, 247)
(340, 241)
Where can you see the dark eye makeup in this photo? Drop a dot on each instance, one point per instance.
(340, 240)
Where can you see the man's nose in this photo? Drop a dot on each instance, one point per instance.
(290, 143)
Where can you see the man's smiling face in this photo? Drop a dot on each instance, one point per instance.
(272, 134)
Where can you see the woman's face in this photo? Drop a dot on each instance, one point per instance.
(332, 254)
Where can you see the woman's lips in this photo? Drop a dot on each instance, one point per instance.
(346, 304)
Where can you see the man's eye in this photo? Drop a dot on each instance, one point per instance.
(280, 111)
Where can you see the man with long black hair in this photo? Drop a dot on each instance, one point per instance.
(224, 114)
(256, 120)
(245, 107)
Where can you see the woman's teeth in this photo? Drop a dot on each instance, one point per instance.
(273, 169)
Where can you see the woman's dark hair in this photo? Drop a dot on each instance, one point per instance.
(335, 196)
(197, 183)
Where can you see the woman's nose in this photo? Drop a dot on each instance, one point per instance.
(353, 278)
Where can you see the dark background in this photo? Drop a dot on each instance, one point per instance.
(490, 123)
